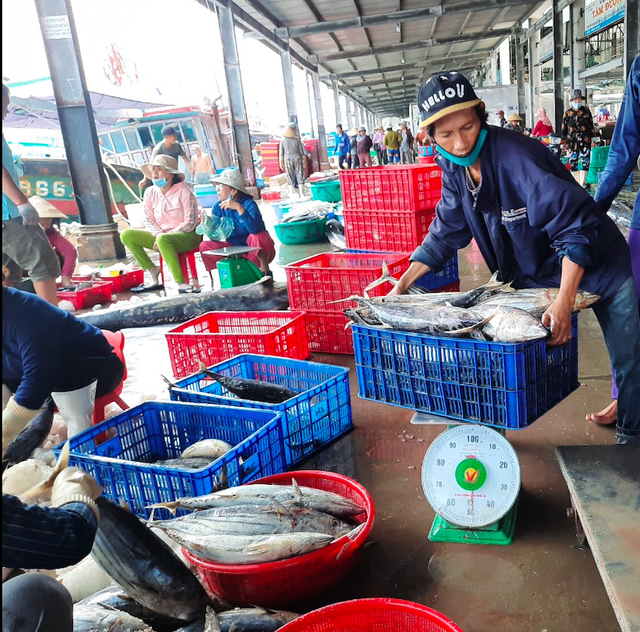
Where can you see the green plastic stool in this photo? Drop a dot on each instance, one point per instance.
(237, 271)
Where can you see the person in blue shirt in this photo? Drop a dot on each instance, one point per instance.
(623, 156)
(24, 243)
(533, 223)
(242, 224)
(342, 147)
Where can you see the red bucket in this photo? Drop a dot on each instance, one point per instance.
(367, 615)
(277, 584)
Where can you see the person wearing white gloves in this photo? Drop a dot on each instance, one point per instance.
(35, 537)
(24, 243)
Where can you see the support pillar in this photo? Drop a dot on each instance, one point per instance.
(308, 80)
(322, 134)
(289, 89)
(531, 90)
(78, 131)
(522, 107)
(336, 102)
(494, 67)
(578, 48)
(631, 34)
(237, 109)
(558, 79)
(349, 113)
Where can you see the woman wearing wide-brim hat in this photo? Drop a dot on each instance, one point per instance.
(514, 122)
(171, 217)
(291, 157)
(241, 224)
(50, 218)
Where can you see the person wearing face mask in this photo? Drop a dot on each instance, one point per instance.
(578, 130)
(533, 224)
(171, 218)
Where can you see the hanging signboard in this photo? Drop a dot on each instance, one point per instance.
(600, 14)
(545, 49)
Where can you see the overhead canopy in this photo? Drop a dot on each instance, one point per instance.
(42, 113)
(380, 51)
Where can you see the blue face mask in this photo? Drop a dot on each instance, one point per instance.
(160, 182)
(469, 160)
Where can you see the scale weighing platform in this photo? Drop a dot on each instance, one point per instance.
(234, 270)
(471, 479)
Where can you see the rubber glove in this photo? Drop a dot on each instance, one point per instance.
(29, 214)
(75, 486)
(14, 420)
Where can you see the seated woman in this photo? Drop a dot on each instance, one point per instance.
(45, 350)
(248, 226)
(171, 212)
(50, 218)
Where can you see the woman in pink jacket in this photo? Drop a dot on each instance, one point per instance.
(543, 127)
(172, 216)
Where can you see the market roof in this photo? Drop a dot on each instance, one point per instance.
(380, 51)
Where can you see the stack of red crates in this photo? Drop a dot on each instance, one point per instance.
(389, 209)
(270, 160)
(312, 145)
(315, 283)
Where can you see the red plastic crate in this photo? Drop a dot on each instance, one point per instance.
(386, 231)
(316, 282)
(99, 292)
(326, 333)
(276, 584)
(270, 196)
(125, 281)
(218, 336)
(406, 187)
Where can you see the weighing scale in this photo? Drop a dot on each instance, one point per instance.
(234, 270)
(471, 478)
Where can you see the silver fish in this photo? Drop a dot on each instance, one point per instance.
(255, 520)
(99, 618)
(191, 463)
(536, 301)
(242, 620)
(207, 448)
(432, 319)
(511, 324)
(241, 549)
(261, 494)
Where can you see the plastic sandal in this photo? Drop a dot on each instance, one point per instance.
(147, 288)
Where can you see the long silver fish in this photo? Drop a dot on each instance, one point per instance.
(191, 463)
(439, 320)
(255, 520)
(256, 549)
(242, 620)
(536, 301)
(100, 618)
(146, 568)
(207, 448)
(261, 494)
(511, 324)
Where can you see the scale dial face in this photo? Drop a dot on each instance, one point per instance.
(471, 476)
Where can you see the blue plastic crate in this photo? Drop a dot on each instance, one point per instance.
(124, 463)
(498, 384)
(432, 280)
(320, 413)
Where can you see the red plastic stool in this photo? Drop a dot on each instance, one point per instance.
(116, 340)
(187, 262)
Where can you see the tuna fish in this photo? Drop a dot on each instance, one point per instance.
(255, 520)
(253, 390)
(146, 568)
(22, 447)
(207, 448)
(260, 494)
(99, 618)
(510, 324)
(261, 295)
(242, 620)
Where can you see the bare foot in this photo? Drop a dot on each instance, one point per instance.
(606, 417)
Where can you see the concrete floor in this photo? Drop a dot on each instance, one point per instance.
(543, 582)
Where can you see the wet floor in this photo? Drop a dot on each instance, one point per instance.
(541, 582)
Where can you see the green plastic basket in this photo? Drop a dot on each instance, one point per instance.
(308, 232)
(326, 191)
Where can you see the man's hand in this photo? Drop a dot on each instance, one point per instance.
(558, 319)
(396, 291)
(29, 214)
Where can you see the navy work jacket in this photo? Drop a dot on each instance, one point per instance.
(529, 213)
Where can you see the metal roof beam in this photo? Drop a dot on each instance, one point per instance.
(395, 48)
(398, 16)
(543, 19)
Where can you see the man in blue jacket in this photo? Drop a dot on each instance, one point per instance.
(533, 224)
(342, 146)
(624, 153)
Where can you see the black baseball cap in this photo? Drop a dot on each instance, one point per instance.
(167, 130)
(443, 94)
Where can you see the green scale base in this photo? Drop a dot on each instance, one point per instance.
(237, 271)
(498, 533)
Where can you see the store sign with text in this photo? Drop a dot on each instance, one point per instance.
(545, 49)
(601, 14)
